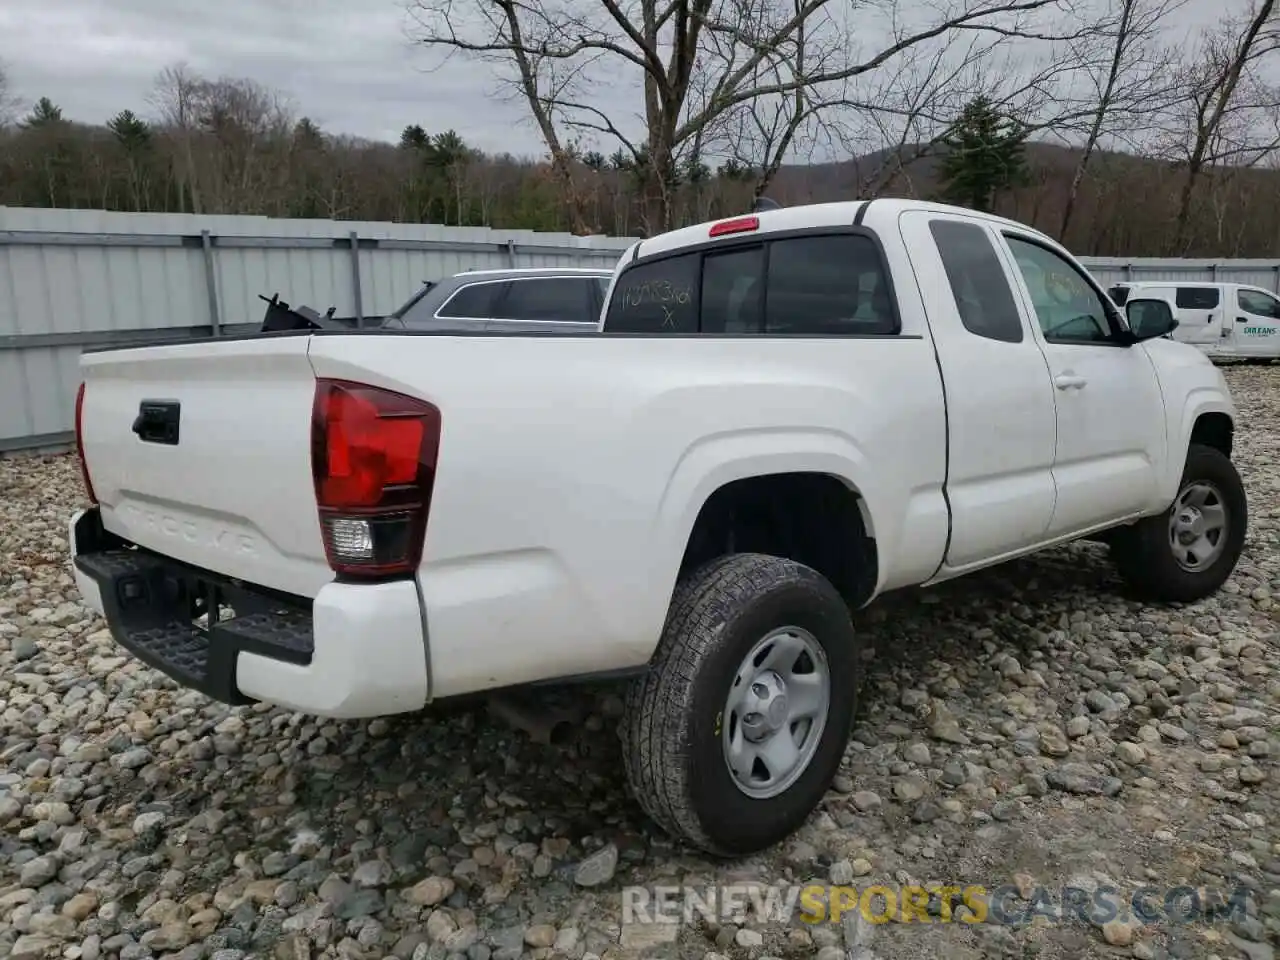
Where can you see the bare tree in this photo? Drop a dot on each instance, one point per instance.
(905, 116)
(174, 97)
(1130, 77)
(902, 116)
(251, 126)
(562, 55)
(760, 133)
(889, 120)
(8, 101)
(1223, 118)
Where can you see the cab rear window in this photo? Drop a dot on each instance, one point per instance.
(656, 297)
(809, 285)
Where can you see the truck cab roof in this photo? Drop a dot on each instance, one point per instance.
(810, 216)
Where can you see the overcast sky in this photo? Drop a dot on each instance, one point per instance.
(348, 64)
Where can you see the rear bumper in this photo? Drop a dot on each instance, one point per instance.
(356, 650)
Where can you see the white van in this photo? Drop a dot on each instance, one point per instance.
(1231, 321)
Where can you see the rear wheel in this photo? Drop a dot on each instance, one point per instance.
(735, 734)
(1187, 552)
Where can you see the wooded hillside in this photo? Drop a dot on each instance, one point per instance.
(1172, 150)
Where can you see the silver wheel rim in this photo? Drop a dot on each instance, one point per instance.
(775, 712)
(1198, 526)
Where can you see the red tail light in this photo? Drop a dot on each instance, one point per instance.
(84, 466)
(740, 225)
(373, 459)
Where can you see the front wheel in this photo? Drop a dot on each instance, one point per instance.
(736, 732)
(1187, 552)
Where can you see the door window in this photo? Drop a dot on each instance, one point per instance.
(550, 299)
(1068, 308)
(1259, 303)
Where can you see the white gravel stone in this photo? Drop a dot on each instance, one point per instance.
(1027, 715)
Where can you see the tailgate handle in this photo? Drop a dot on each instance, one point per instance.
(157, 421)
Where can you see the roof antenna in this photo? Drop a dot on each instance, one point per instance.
(764, 204)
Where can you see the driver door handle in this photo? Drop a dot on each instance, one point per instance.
(1065, 381)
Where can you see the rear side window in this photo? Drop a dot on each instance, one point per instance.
(657, 297)
(813, 285)
(1197, 298)
(548, 299)
(977, 280)
(472, 302)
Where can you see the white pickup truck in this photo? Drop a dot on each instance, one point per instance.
(781, 417)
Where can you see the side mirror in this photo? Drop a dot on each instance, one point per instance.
(1149, 319)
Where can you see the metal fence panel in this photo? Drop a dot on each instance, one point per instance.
(76, 278)
(1261, 273)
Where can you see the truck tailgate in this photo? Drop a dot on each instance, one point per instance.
(231, 489)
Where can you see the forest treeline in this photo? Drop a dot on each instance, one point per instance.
(1114, 138)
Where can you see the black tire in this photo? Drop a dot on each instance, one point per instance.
(671, 730)
(1145, 558)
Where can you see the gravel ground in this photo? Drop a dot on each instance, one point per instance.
(1028, 726)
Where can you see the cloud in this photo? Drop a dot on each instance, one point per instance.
(351, 67)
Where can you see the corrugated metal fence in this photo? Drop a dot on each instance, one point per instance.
(70, 279)
(76, 278)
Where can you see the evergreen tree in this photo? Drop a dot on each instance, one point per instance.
(134, 136)
(986, 153)
(132, 133)
(413, 137)
(695, 171)
(307, 135)
(735, 171)
(45, 114)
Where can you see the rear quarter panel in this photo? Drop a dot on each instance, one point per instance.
(571, 471)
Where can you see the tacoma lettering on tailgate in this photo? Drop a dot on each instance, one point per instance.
(192, 531)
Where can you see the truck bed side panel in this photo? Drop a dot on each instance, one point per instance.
(571, 471)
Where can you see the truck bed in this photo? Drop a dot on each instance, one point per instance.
(545, 440)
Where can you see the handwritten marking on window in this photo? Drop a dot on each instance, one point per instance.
(660, 292)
